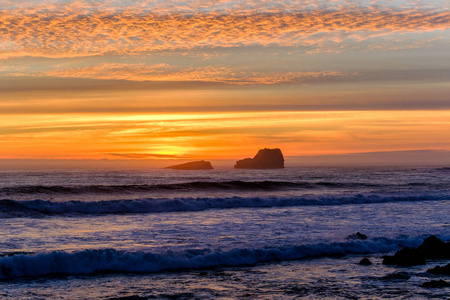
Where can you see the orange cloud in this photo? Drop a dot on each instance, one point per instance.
(165, 72)
(66, 33)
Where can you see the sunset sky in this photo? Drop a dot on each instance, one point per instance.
(115, 79)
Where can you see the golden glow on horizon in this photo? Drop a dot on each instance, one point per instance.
(220, 135)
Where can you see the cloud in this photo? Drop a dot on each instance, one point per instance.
(149, 156)
(164, 72)
(71, 33)
(167, 73)
(194, 6)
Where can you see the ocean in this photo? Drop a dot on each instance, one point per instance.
(219, 234)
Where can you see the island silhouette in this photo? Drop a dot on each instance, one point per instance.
(264, 159)
(194, 165)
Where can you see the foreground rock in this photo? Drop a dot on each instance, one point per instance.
(264, 159)
(195, 165)
(438, 270)
(431, 248)
(397, 276)
(405, 257)
(357, 236)
(434, 248)
(365, 262)
(436, 284)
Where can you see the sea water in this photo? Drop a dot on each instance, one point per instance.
(222, 234)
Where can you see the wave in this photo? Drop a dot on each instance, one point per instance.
(37, 208)
(117, 261)
(188, 186)
(443, 169)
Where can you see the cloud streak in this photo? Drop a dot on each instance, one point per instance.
(167, 73)
(194, 6)
(68, 34)
(218, 135)
(148, 156)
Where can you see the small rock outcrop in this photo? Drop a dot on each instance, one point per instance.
(365, 262)
(438, 270)
(194, 165)
(431, 248)
(397, 276)
(435, 284)
(264, 159)
(357, 236)
(434, 248)
(405, 257)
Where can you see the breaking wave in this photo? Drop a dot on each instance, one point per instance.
(188, 186)
(36, 208)
(116, 261)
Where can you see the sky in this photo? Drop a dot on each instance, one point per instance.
(116, 79)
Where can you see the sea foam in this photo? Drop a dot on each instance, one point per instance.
(116, 261)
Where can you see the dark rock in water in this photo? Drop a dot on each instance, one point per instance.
(195, 165)
(397, 276)
(435, 284)
(405, 257)
(129, 298)
(365, 262)
(434, 248)
(203, 273)
(431, 248)
(176, 296)
(264, 159)
(438, 270)
(357, 236)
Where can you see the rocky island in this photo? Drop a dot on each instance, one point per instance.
(264, 159)
(194, 165)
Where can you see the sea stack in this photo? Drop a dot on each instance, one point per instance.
(264, 159)
(194, 165)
